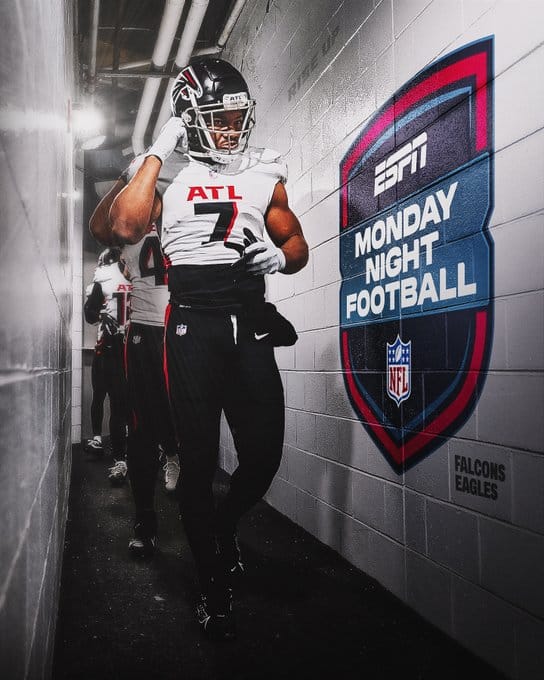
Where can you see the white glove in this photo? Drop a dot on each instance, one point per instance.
(172, 132)
(264, 258)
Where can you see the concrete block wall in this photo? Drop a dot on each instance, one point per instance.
(471, 565)
(35, 333)
(77, 309)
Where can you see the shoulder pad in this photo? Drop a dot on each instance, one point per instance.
(172, 166)
(265, 155)
(106, 272)
(102, 275)
(98, 276)
(271, 162)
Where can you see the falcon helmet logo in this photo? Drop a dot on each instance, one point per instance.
(187, 86)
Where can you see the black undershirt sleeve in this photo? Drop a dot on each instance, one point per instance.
(93, 304)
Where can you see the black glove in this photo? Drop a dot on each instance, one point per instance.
(109, 324)
(239, 267)
(268, 324)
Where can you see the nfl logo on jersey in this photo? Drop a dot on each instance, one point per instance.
(181, 329)
(398, 370)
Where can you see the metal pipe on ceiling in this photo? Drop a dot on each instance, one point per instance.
(93, 41)
(229, 23)
(165, 38)
(207, 51)
(124, 29)
(185, 49)
(225, 33)
(125, 67)
(122, 73)
(116, 58)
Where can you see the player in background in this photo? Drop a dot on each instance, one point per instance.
(151, 427)
(98, 384)
(226, 223)
(106, 306)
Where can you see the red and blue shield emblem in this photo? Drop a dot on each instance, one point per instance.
(398, 370)
(416, 256)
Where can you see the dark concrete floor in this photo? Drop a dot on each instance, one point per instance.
(303, 612)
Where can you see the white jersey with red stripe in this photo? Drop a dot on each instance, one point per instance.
(116, 290)
(206, 207)
(147, 273)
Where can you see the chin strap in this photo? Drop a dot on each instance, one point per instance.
(214, 156)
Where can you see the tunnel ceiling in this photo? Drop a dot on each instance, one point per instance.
(127, 32)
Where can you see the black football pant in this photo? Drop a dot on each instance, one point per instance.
(214, 363)
(99, 392)
(150, 422)
(108, 377)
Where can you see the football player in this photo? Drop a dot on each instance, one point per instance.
(150, 426)
(226, 223)
(106, 305)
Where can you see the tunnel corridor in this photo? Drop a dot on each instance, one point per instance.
(302, 611)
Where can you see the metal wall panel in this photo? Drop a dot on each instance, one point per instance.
(35, 333)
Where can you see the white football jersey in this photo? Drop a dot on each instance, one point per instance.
(116, 289)
(147, 274)
(205, 208)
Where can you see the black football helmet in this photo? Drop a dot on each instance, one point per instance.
(109, 256)
(204, 91)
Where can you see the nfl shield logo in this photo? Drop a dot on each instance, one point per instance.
(181, 329)
(398, 370)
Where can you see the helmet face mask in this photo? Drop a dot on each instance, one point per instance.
(109, 256)
(213, 101)
(217, 140)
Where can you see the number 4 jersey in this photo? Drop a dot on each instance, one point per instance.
(145, 266)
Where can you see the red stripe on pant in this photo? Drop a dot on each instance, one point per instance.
(125, 362)
(125, 358)
(164, 357)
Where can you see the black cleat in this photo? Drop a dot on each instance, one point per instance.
(214, 613)
(94, 446)
(229, 551)
(142, 548)
(144, 543)
(117, 474)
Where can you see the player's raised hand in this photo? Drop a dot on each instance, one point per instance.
(108, 323)
(172, 133)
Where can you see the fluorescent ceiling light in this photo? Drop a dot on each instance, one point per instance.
(93, 142)
(87, 122)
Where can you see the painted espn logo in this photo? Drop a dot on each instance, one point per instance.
(411, 156)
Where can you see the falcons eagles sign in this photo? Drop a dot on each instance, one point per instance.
(416, 256)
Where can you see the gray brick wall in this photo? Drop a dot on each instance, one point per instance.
(35, 362)
(463, 549)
